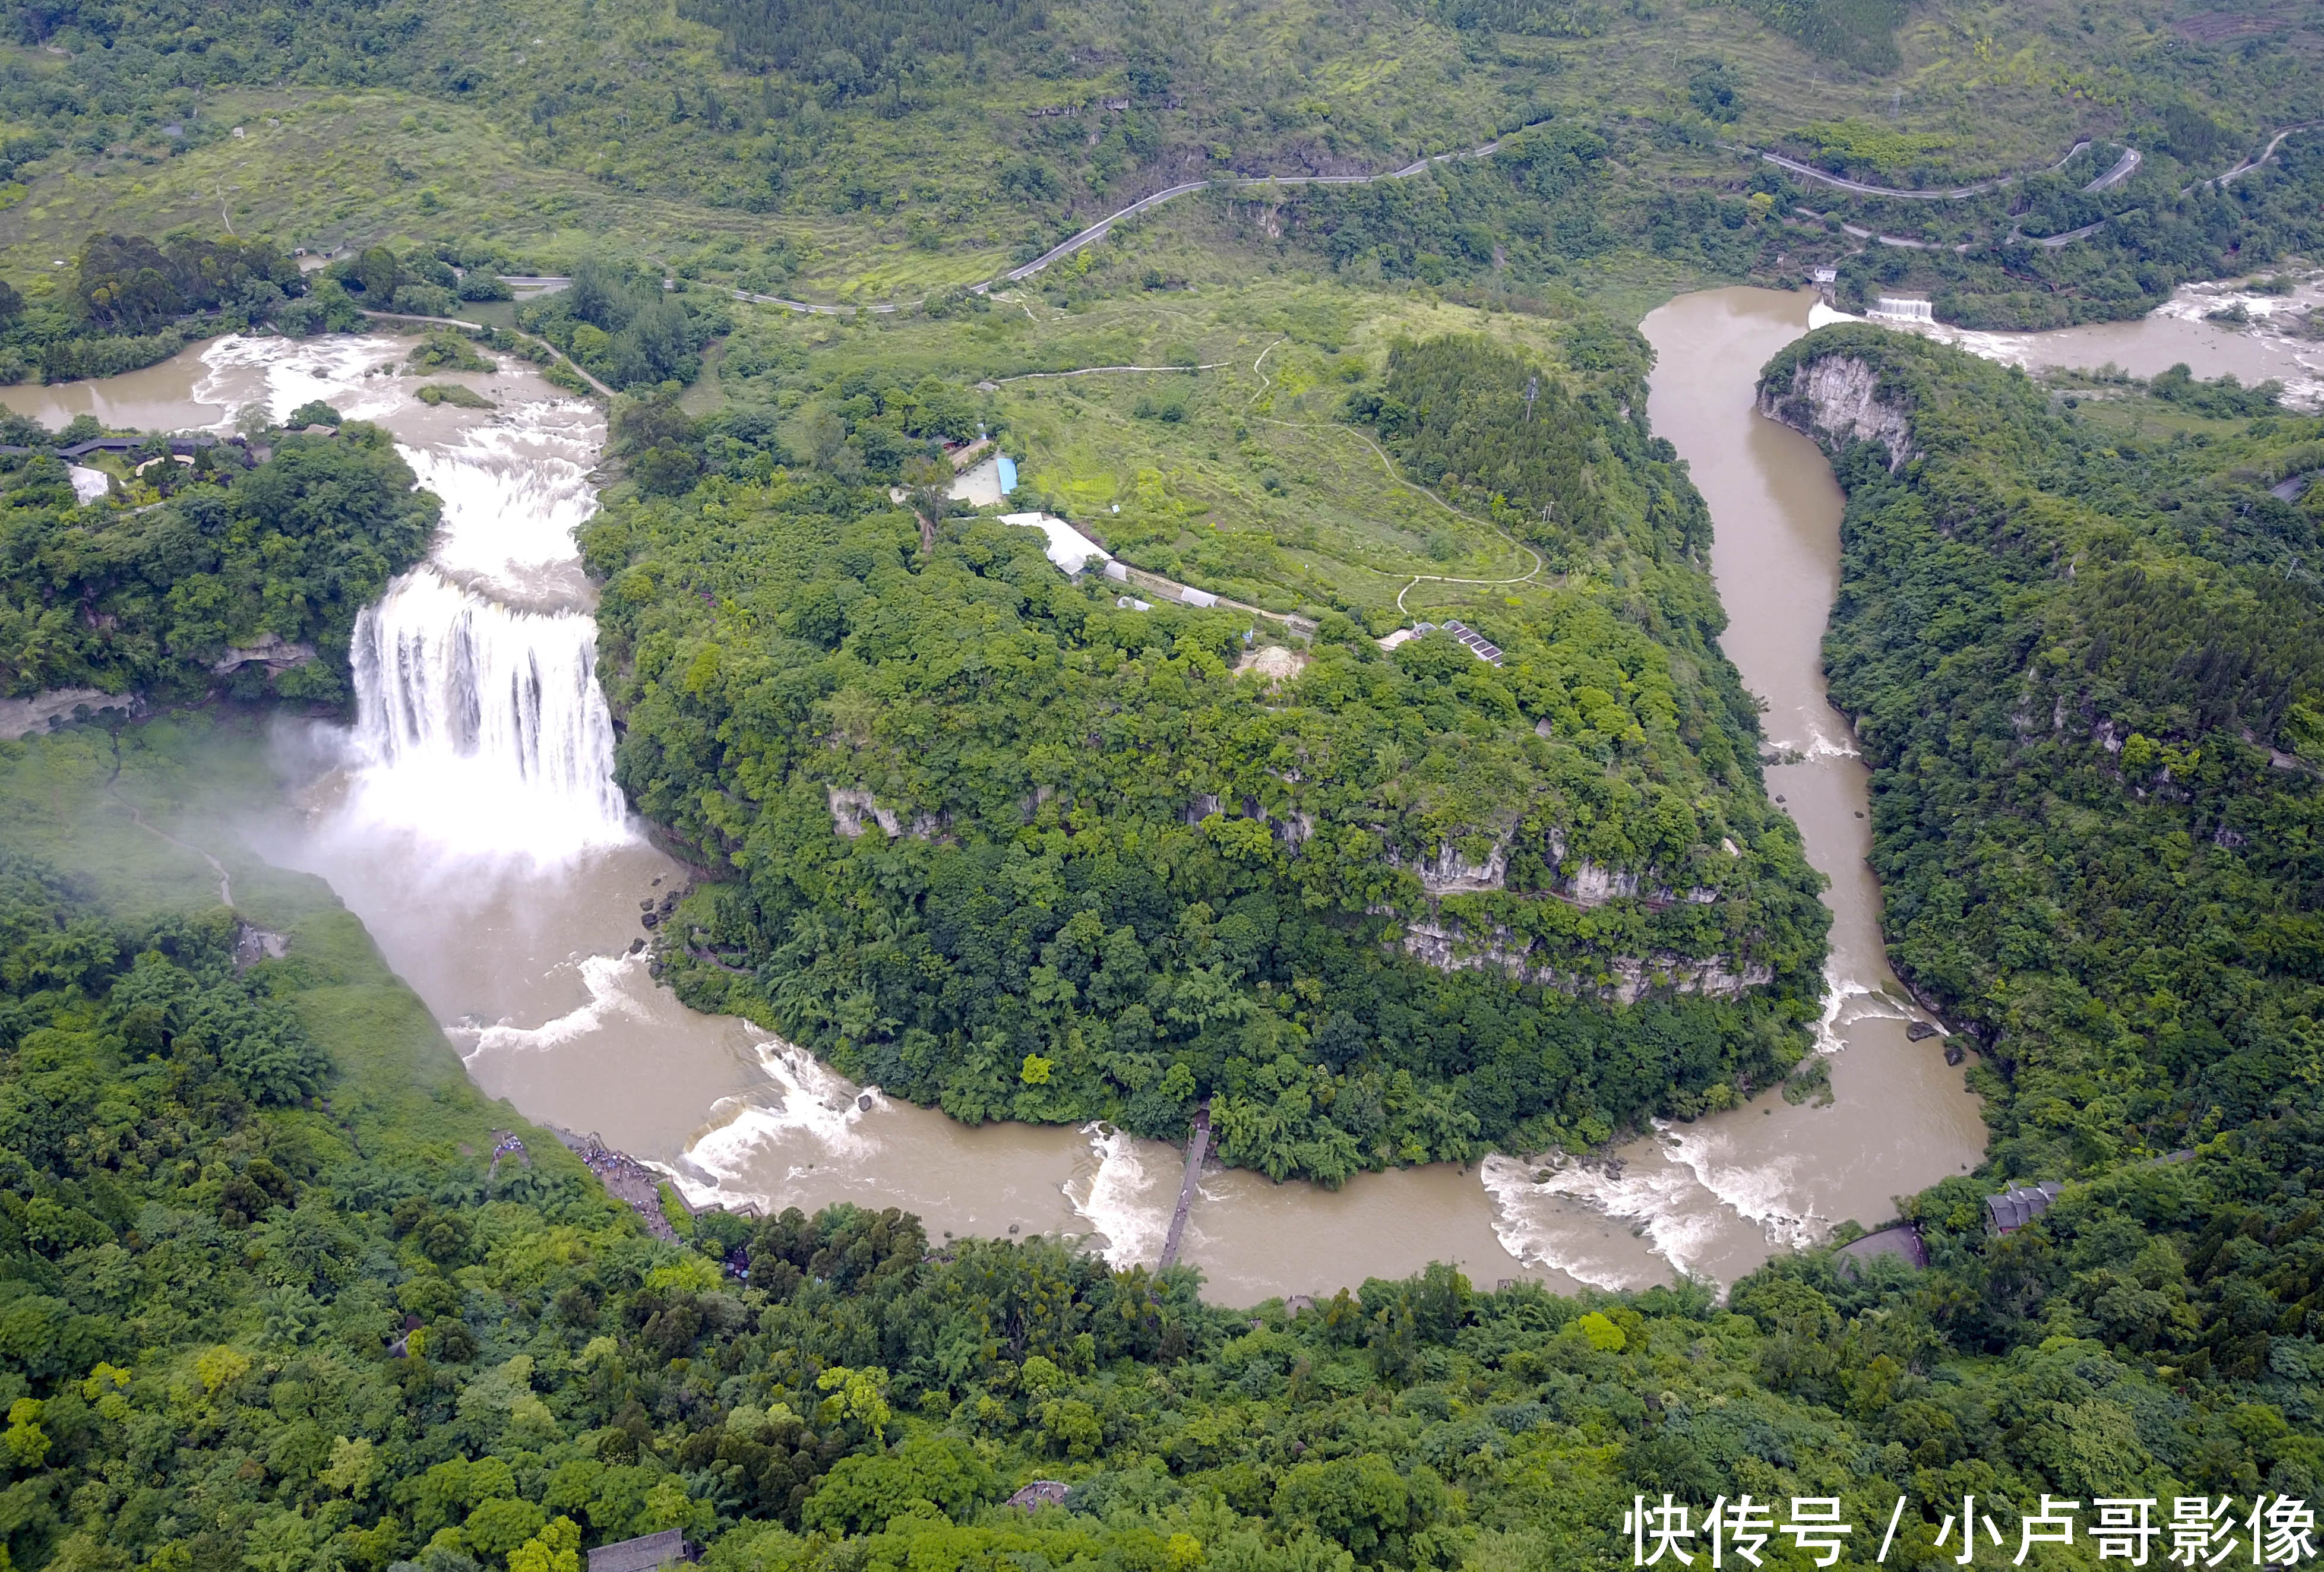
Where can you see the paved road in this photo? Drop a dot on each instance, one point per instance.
(1104, 225)
(2054, 242)
(1861, 188)
(2124, 167)
(1858, 231)
(1099, 230)
(2246, 166)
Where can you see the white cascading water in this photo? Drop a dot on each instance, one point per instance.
(479, 720)
(461, 693)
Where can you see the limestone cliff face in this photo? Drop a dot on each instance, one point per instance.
(1592, 885)
(1433, 937)
(1626, 979)
(25, 717)
(1837, 399)
(850, 806)
(1450, 872)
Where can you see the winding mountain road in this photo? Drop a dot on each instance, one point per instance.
(1103, 226)
(2124, 167)
(1952, 194)
(2241, 169)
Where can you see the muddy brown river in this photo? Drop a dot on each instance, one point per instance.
(468, 819)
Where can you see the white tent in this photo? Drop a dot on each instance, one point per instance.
(1069, 548)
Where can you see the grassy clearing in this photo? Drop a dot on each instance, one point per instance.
(2134, 415)
(1239, 477)
(314, 170)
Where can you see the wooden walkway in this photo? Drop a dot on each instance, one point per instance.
(1197, 1145)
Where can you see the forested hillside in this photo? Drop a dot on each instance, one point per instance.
(2088, 670)
(897, 152)
(1005, 846)
(279, 1291)
(239, 572)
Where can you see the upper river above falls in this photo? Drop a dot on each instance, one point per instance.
(469, 819)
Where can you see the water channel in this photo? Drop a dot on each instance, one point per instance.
(469, 820)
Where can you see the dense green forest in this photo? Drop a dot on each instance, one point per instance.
(133, 302)
(281, 1291)
(275, 1292)
(2149, 235)
(1003, 846)
(152, 600)
(625, 328)
(2088, 671)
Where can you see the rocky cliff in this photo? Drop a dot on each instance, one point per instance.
(1836, 399)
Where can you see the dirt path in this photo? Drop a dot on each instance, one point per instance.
(113, 790)
(472, 327)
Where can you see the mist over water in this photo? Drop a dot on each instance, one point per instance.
(480, 726)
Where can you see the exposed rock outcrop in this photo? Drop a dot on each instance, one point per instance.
(850, 806)
(1592, 885)
(253, 945)
(1275, 664)
(1625, 979)
(1451, 872)
(271, 651)
(1838, 398)
(22, 717)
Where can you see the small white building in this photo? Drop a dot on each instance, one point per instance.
(1195, 597)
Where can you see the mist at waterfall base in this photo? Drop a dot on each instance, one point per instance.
(469, 816)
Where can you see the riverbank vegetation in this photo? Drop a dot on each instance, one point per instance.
(132, 303)
(1001, 845)
(2088, 667)
(279, 1287)
(249, 578)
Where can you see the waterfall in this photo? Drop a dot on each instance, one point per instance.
(478, 717)
(480, 727)
(453, 686)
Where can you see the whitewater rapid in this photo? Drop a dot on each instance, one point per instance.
(471, 819)
(2227, 327)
